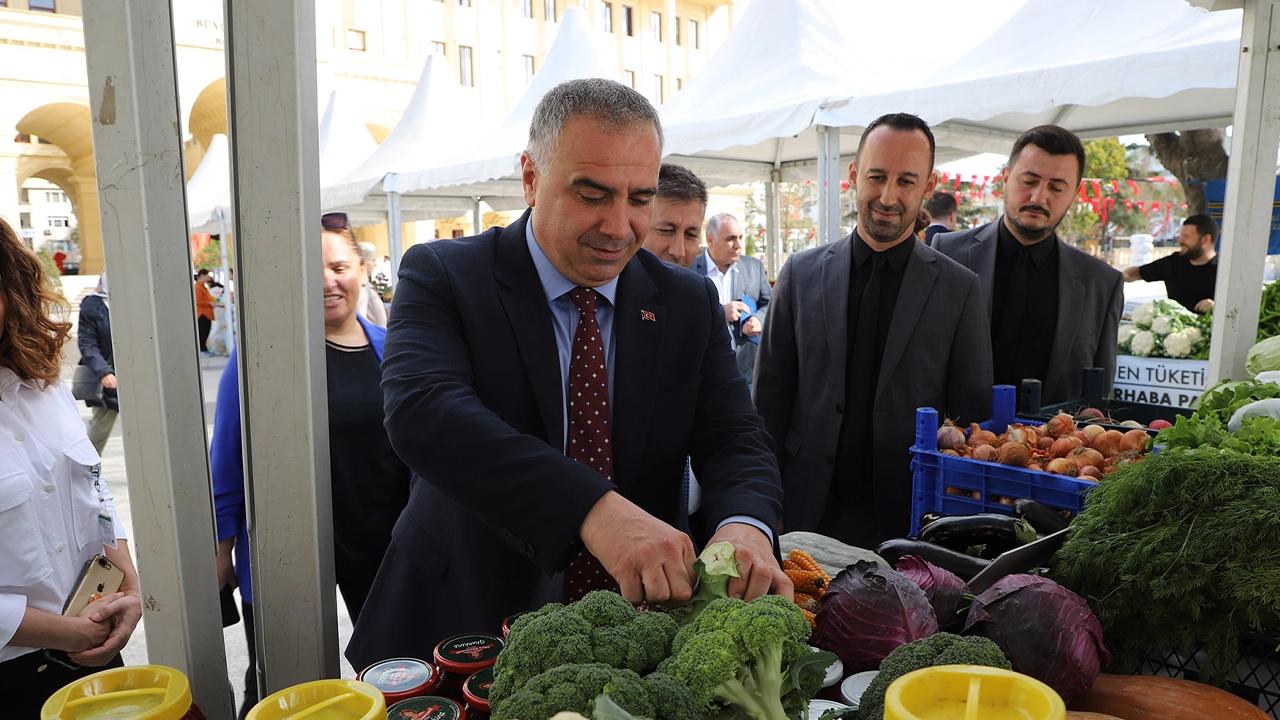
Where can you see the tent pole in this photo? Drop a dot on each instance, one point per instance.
(773, 214)
(476, 221)
(828, 184)
(229, 314)
(395, 238)
(1251, 182)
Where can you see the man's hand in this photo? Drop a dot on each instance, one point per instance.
(758, 571)
(109, 381)
(652, 561)
(1204, 305)
(733, 310)
(82, 633)
(752, 327)
(226, 571)
(121, 615)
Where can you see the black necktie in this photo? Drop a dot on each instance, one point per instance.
(866, 355)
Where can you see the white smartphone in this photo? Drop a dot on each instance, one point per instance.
(100, 577)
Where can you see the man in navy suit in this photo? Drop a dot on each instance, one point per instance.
(737, 278)
(537, 382)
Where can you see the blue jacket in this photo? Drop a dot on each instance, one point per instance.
(226, 461)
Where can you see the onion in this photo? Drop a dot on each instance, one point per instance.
(1014, 453)
(1083, 456)
(950, 437)
(951, 452)
(978, 436)
(1081, 434)
(1134, 440)
(1023, 434)
(1045, 443)
(1061, 424)
(986, 453)
(1035, 466)
(1091, 472)
(1063, 466)
(1108, 442)
(1093, 431)
(1064, 445)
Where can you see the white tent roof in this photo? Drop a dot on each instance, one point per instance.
(487, 162)
(209, 188)
(345, 141)
(437, 112)
(1099, 68)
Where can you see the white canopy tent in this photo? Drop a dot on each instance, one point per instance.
(345, 141)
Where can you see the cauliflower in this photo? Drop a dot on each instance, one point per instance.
(1193, 335)
(1163, 325)
(1143, 315)
(1124, 336)
(1178, 344)
(1142, 343)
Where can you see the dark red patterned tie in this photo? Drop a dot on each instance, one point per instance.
(590, 430)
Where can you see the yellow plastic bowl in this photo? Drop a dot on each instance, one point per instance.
(323, 700)
(971, 692)
(141, 692)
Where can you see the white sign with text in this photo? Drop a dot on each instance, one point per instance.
(1159, 381)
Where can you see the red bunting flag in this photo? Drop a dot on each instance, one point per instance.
(1141, 206)
(1115, 186)
(1128, 204)
(1133, 187)
(1097, 188)
(944, 177)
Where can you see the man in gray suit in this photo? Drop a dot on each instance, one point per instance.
(739, 278)
(1054, 309)
(860, 334)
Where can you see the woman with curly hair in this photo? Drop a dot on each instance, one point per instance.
(56, 513)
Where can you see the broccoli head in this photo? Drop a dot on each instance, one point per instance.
(751, 656)
(602, 627)
(938, 649)
(574, 688)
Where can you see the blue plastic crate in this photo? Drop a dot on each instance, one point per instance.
(932, 472)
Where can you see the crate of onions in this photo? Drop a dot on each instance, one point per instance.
(988, 466)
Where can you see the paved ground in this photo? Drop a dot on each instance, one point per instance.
(113, 468)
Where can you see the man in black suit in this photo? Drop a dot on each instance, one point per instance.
(1054, 309)
(860, 334)
(537, 382)
(941, 208)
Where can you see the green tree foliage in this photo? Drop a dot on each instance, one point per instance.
(210, 256)
(1105, 158)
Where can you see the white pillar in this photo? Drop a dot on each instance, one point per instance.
(1251, 178)
(772, 223)
(133, 94)
(477, 222)
(395, 235)
(229, 314)
(271, 74)
(829, 174)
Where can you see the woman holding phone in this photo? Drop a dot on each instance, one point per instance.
(56, 513)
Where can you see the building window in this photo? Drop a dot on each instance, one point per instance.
(439, 48)
(631, 78)
(355, 40)
(527, 7)
(24, 220)
(606, 16)
(657, 89)
(43, 5)
(679, 35)
(59, 221)
(628, 20)
(466, 75)
(22, 138)
(464, 3)
(679, 84)
(549, 10)
(529, 69)
(693, 34)
(54, 196)
(655, 26)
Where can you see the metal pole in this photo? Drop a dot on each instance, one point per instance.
(228, 315)
(828, 184)
(773, 222)
(1251, 184)
(271, 73)
(138, 154)
(476, 220)
(395, 238)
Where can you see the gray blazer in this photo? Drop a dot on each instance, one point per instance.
(938, 354)
(1091, 298)
(752, 281)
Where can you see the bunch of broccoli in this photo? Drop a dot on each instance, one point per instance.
(938, 649)
(575, 687)
(748, 660)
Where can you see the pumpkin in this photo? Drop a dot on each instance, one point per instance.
(1076, 715)
(1146, 697)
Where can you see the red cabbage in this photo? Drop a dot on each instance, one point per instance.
(943, 588)
(867, 612)
(1046, 631)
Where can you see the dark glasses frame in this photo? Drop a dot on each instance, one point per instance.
(334, 221)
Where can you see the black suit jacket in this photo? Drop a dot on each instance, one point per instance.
(1091, 298)
(474, 406)
(938, 354)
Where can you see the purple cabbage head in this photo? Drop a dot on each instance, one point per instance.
(1046, 631)
(867, 612)
(943, 588)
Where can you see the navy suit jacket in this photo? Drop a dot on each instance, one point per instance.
(751, 280)
(474, 406)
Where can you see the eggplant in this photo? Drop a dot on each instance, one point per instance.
(996, 531)
(929, 517)
(965, 566)
(1043, 518)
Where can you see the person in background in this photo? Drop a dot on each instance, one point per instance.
(738, 278)
(941, 208)
(1055, 310)
(370, 485)
(204, 308)
(678, 213)
(1191, 274)
(93, 336)
(862, 332)
(370, 306)
(56, 513)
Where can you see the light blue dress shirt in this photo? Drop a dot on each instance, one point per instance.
(565, 317)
